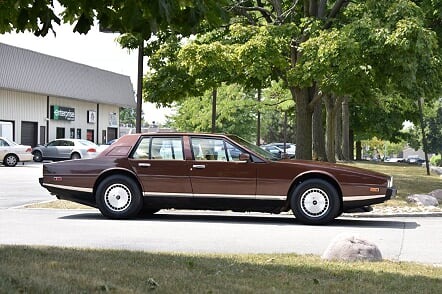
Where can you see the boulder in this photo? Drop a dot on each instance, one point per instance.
(436, 169)
(423, 200)
(437, 194)
(352, 248)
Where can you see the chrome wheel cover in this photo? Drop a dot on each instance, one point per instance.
(117, 197)
(11, 160)
(315, 202)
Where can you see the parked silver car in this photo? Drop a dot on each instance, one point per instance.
(11, 153)
(62, 149)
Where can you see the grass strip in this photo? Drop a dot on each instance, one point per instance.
(60, 270)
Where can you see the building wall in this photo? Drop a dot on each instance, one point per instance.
(17, 107)
(108, 118)
(28, 108)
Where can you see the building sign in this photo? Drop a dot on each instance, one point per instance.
(91, 116)
(113, 119)
(62, 113)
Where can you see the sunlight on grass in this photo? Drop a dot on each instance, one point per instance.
(58, 270)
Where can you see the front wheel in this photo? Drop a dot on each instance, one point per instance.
(10, 160)
(315, 202)
(38, 157)
(119, 197)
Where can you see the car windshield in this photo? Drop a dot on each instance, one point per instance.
(11, 143)
(264, 153)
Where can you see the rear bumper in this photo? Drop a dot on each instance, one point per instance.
(82, 197)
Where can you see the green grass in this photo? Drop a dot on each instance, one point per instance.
(57, 270)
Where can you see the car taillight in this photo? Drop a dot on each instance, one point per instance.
(92, 150)
(29, 150)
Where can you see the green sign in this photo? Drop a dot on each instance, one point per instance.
(62, 113)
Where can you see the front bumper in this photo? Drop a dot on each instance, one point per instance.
(391, 192)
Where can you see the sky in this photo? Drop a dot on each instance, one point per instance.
(95, 49)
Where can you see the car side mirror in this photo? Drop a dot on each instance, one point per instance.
(244, 157)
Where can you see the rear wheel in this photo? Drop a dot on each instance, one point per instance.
(119, 197)
(315, 202)
(38, 157)
(10, 160)
(75, 156)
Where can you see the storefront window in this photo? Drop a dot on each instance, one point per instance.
(60, 133)
(90, 135)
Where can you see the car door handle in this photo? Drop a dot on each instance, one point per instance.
(143, 164)
(199, 166)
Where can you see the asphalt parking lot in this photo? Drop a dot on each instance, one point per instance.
(19, 185)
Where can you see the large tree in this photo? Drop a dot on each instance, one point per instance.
(142, 18)
(331, 49)
(194, 113)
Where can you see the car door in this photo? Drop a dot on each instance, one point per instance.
(161, 167)
(217, 170)
(50, 149)
(4, 146)
(65, 148)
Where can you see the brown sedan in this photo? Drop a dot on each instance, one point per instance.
(149, 172)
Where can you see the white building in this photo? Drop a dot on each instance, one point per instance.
(46, 97)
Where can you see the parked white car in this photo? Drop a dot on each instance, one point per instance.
(63, 149)
(11, 153)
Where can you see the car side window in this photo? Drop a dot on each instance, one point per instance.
(167, 148)
(233, 152)
(214, 149)
(3, 143)
(142, 151)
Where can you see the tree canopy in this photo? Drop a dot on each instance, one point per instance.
(142, 18)
(383, 55)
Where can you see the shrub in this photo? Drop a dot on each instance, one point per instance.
(436, 160)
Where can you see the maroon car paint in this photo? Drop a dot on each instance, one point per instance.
(259, 184)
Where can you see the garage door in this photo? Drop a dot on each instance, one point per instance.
(29, 133)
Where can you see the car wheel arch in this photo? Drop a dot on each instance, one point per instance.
(75, 155)
(315, 175)
(121, 172)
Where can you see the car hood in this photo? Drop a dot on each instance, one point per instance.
(332, 167)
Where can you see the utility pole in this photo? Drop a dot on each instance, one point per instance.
(139, 87)
(424, 137)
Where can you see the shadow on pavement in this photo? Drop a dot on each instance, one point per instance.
(286, 220)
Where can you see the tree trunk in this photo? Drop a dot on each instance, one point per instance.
(318, 134)
(303, 123)
(258, 120)
(358, 150)
(331, 105)
(214, 94)
(338, 129)
(330, 128)
(345, 130)
(351, 145)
